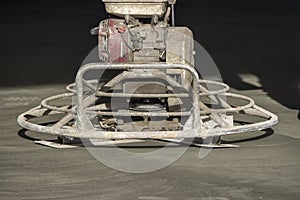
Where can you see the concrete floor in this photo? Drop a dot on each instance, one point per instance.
(45, 42)
(266, 166)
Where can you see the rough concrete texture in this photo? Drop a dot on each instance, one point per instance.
(256, 47)
(266, 166)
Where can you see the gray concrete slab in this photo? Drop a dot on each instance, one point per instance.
(44, 42)
(264, 167)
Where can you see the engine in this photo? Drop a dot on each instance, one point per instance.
(143, 34)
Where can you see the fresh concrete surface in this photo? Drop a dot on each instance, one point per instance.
(264, 167)
(254, 43)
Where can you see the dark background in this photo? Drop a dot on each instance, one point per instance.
(44, 42)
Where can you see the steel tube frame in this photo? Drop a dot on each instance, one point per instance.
(62, 129)
(83, 124)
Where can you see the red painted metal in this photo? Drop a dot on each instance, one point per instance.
(113, 42)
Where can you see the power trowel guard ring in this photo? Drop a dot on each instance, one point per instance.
(79, 113)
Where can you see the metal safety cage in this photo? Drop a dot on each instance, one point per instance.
(83, 102)
(206, 122)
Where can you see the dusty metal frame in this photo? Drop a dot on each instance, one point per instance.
(61, 128)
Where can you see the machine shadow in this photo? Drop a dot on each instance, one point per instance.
(22, 134)
(85, 143)
(268, 132)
